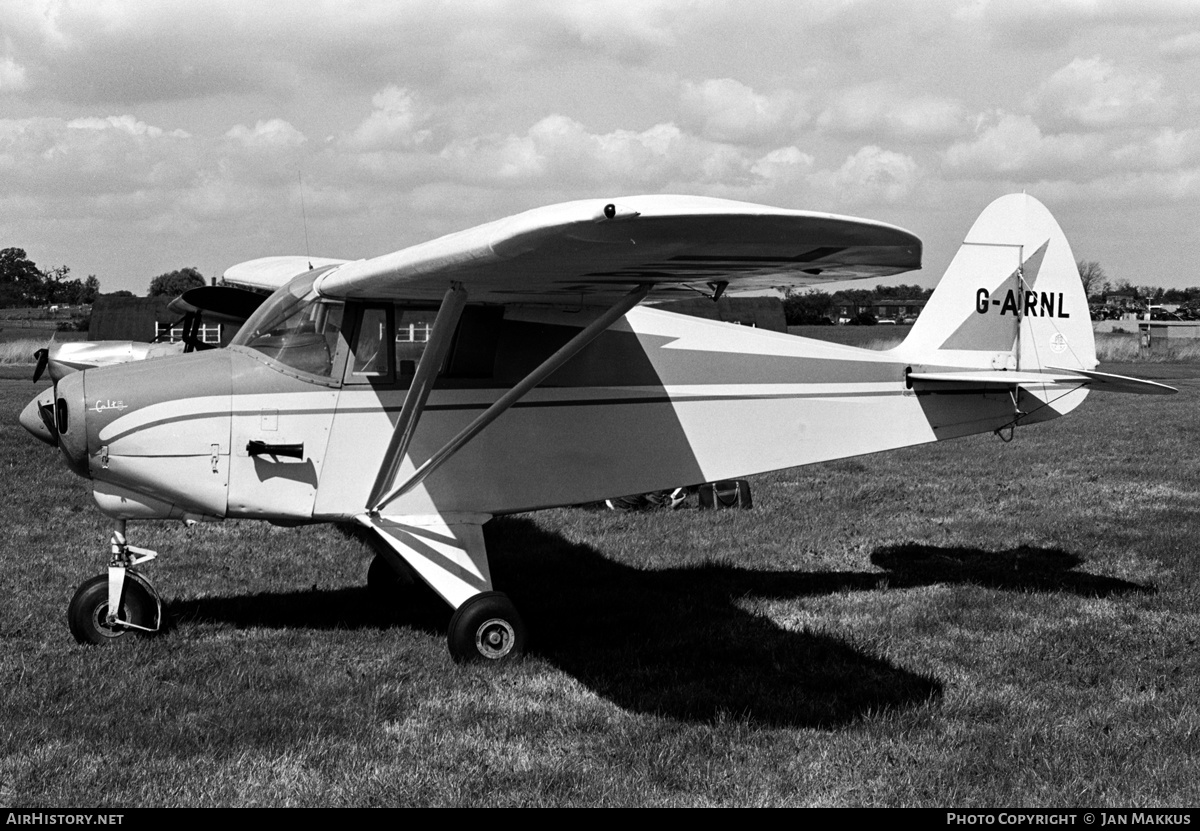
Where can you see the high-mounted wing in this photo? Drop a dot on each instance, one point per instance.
(270, 273)
(593, 251)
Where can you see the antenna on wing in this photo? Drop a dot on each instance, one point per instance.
(304, 217)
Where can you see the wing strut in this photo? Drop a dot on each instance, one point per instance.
(440, 338)
(564, 354)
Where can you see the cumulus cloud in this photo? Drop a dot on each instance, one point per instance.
(630, 31)
(12, 76)
(394, 123)
(1182, 46)
(561, 148)
(728, 110)
(883, 110)
(272, 134)
(783, 165)
(1041, 25)
(123, 124)
(69, 163)
(871, 175)
(1128, 192)
(1142, 165)
(1014, 146)
(445, 115)
(128, 170)
(1094, 93)
(1167, 149)
(120, 53)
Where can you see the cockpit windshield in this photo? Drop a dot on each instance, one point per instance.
(295, 327)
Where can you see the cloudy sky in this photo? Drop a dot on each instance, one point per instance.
(137, 137)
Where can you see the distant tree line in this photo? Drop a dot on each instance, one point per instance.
(813, 306)
(1098, 286)
(175, 283)
(22, 283)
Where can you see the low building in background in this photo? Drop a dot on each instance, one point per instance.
(145, 319)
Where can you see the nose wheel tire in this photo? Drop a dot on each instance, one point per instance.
(88, 613)
(486, 628)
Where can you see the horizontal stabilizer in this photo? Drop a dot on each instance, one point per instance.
(1006, 379)
(1106, 382)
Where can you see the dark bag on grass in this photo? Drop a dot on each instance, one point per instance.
(730, 493)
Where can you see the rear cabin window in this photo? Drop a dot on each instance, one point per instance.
(472, 353)
(413, 327)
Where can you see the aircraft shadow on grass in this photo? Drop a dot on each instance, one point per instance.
(675, 642)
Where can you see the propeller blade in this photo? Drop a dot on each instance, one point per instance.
(43, 357)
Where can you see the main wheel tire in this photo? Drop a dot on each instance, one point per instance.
(88, 613)
(486, 628)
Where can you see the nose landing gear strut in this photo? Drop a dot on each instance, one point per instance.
(107, 606)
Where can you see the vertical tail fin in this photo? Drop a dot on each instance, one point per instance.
(1011, 298)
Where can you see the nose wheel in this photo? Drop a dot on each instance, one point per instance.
(486, 628)
(108, 606)
(90, 621)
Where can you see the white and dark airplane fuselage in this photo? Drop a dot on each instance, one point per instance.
(658, 400)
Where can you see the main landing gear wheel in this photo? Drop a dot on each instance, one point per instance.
(486, 628)
(88, 613)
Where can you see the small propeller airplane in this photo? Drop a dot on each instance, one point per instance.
(420, 393)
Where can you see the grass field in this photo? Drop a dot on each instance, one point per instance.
(969, 624)
(18, 352)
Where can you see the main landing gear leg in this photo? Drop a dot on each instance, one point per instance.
(448, 553)
(108, 605)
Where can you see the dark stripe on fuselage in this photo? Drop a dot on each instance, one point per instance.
(520, 405)
(628, 359)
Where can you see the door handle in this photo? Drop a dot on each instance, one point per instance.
(261, 448)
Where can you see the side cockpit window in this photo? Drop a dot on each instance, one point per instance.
(371, 354)
(307, 341)
(295, 328)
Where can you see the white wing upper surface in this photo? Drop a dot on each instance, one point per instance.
(273, 272)
(592, 251)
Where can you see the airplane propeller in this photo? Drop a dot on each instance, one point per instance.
(43, 358)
